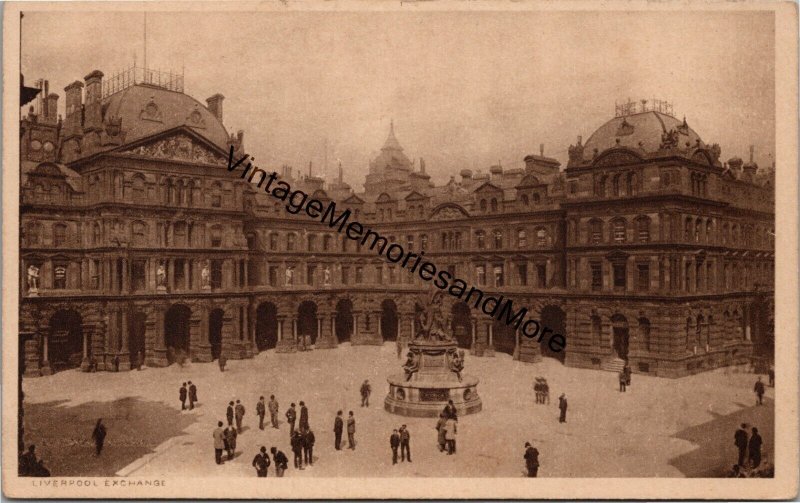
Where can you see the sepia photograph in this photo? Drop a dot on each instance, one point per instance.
(401, 249)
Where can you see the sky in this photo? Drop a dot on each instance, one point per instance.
(465, 89)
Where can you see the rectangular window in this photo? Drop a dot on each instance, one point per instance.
(96, 274)
(643, 282)
(499, 275)
(522, 274)
(216, 274)
(597, 276)
(273, 275)
(410, 241)
(359, 275)
(379, 274)
(620, 275)
(59, 235)
(345, 275)
(216, 200)
(311, 271)
(480, 275)
(180, 279)
(60, 276)
(138, 280)
(541, 276)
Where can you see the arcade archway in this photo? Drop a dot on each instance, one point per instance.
(266, 326)
(307, 320)
(344, 320)
(461, 325)
(554, 318)
(65, 341)
(504, 336)
(215, 332)
(176, 331)
(619, 326)
(389, 320)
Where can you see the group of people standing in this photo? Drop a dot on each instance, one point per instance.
(338, 429)
(400, 439)
(189, 392)
(749, 450)
(447, 428)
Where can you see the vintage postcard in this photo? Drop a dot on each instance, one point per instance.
(396, 249)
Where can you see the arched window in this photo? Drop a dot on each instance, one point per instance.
(480, 239)
(97, 234)
(483, 205)
(138, 189)
(525, 199)
(291, 240)
(643, 229)
(630, 184)
(601, 186)
(311, 242)
(216, 236)
(535, 198)
(615, 185)
(494, 205)
(596, 231)
(618, 230)
(522, 238)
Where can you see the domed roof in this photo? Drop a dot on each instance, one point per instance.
(146, 110)
(639, 131)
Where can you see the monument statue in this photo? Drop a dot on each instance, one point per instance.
(433, 370)
(205, 275)
(161, 274)
(327, 275)
(33, 277)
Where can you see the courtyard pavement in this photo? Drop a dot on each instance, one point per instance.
(659, 428)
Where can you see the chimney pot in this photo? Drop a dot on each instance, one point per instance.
(215, 105)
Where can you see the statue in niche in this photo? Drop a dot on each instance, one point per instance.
(326, 275)
(205, 275)
(33, 277)
(289, 275)
(161, 274)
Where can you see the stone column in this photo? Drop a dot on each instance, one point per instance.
(489, 351)
(326, 332)
(46, 370)
(159, 356)
(186, 278)
(286, 344)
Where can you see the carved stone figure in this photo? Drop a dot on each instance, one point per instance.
(326, 273)
(33, 277)
(412, 364)
(455, 361)
(289, 275)
(161, 274)
(669, 140)
(205, 275)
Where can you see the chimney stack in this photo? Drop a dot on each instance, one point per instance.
(93, 113)
(215, 105)
(74, 118)
(51, 107)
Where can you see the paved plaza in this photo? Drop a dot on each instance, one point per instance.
(659, 428)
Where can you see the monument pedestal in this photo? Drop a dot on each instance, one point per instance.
(427, 390)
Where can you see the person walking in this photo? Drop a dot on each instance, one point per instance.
(281, 461)
(440, 432)
(219, 442)
(273, 411)
(261, 411)
(537, 389)
(531, 459)
(239, 411)
(222, 360)
(754, 448)
(182, 394)
(450, 432)
(230, 441)
(297, 449)
(405, 444)
(229, 413)
(366, 390)
(759, 390)
(308, 447)
(261, 462)
(740, 441)
(394, 443)
(545, 391)
(623, 380)
(304, 426)
(338, 427)
(192, 395)
(99, 436)
(351, 431)
(562, 406)
(291, 417)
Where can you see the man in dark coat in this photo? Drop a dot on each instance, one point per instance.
(562, 405)
(450, 411)
(394, 443)
(230, 441)
(754, 446)
(441, 432)
(338, 427)
(192, 395)
(273, 411)
(219, 442)
(261, 411)
(182, 393)
(303, 417)
(351, 431)
(531, 459)
(623, 380)
(366, 390)
(308, 447)
(291, 417)
(229, 413)
(759, 390)
(281, 461)
(297, 449)
(31, 466)
(405, 444)
(261, 462)
(740, 440)
(99, 436)
(239, 413)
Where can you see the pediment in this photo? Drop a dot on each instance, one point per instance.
(354, 199)
(529, 181)
(178, 147)
(384, 198)
(448, 211)
(617, 157)
(415, 196)
(488, 187)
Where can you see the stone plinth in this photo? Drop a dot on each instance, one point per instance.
(428, 389)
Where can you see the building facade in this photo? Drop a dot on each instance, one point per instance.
(137, 243)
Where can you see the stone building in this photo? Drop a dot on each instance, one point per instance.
(136, 241)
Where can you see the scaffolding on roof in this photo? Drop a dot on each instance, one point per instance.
(134, 75)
